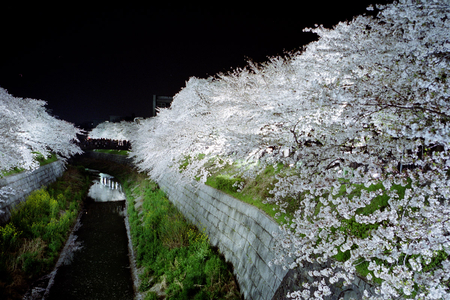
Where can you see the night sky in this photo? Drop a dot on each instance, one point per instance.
(89, 63)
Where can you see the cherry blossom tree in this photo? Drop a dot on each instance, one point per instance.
(113, 131)
(358, 116)
(26, 128)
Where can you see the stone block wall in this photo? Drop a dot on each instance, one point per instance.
(242, 232)
(26, 182)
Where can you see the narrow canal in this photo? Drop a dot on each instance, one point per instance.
(100, 267)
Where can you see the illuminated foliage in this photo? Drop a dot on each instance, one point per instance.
(28, 132)
(366, 105)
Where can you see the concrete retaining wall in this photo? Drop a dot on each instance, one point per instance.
(242, 232)
(26, 182)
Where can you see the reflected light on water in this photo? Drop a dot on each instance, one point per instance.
(105, 189)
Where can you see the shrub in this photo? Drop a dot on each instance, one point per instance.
(9, 236)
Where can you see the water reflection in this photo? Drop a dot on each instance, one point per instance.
(106, 188)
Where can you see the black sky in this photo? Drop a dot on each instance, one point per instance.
(89, 63)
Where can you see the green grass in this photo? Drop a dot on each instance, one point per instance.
(112, 151)
(30, 243)
(173, 251)
(44, 161)
(253, 192)
(16, 170)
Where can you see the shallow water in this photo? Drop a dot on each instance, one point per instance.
(106, 189)
(100, 268)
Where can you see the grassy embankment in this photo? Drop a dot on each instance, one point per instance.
(174, 256)
(253, 192)
(40, 158)
(32, 240)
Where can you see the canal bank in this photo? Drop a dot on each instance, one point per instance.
(95, 262)
(31, 241)
(21, 185)
(245, 235)
(175, 260)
